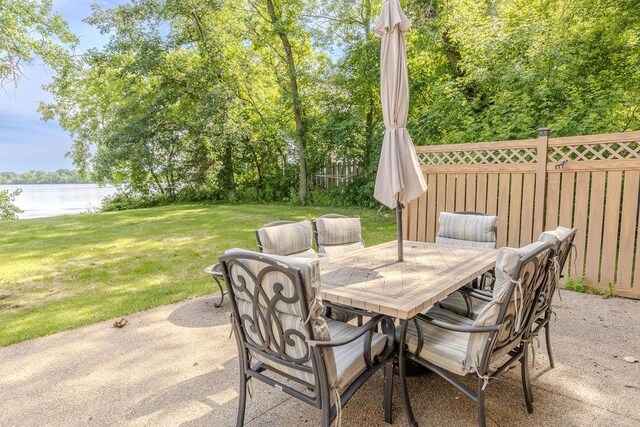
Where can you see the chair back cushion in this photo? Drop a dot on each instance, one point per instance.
(562, 240)
(286, 239)
(519, 275)
(277, 310)
(338, 231)
(467, 230)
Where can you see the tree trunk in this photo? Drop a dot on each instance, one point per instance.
(295, 95)
(230, 178)
(368, 133)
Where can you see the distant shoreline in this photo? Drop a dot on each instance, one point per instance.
(48, 200)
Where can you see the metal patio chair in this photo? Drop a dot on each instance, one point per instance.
(337, 235)
(288, 238)
(472, 229)
(449, 344)
(282, 337)
(562, 238)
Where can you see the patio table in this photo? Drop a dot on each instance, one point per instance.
(372, 279)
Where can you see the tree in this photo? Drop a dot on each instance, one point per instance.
(8, 211)
(153, 106)
(28, 28)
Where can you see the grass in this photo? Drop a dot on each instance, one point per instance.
(65, 272)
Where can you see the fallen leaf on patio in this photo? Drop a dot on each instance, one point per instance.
(630, 359)
(120, 323)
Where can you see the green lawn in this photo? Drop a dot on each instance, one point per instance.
(64, 272)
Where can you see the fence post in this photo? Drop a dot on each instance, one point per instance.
(541, 181)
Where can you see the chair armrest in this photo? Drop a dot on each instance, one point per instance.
(458, 328)
(348, 309)
(477, 293)
(367, 327)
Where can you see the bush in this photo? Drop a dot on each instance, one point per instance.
(357, 192)
(9, 211)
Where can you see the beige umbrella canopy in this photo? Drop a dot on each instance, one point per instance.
(399, 179)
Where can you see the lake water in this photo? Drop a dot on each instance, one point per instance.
(44, 200)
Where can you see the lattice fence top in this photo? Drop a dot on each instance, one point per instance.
(595, 151)
(479, 157)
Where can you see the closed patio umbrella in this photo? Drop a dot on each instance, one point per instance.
(399, 179)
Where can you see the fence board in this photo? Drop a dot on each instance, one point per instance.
(460, 191)
(526, 225)
(628, 229)
(422, 214)
(504, 183)
(451, 193)
(580, 219)
(567, 198)
(596, 218)
(492, 193)
(470, 203)
(440, 202)
(481, 193)
(553, 197)
(413, 219)
(610, 234)
(515, 210)
(431, 207)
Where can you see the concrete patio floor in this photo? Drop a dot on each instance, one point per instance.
(175, 365)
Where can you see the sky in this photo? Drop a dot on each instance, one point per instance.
(26, 142)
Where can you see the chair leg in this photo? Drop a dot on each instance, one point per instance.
(411, 421)
(482, 419)
(325, 409)
(388, 392)
(547, 335)
(526, 383)
(242, 403)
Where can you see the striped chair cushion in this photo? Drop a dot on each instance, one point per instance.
(455, 303)
(554, 236)
(337, 250)
(286, 239)
(459, 228)
(338, 231)
(290, 315)
(349, 358)
(443, 348)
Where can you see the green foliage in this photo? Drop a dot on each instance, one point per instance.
(28, 28)
(61, 176)
(357, 192)
(576, 284)
(9, 211)
(246, 100)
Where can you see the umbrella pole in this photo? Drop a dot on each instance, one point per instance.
(399, 223)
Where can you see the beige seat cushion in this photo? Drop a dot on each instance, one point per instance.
(443, 348)
(349, 358)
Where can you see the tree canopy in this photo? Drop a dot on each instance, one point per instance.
(247, 99)
(29, 29)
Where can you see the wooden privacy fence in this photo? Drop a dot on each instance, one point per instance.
(588, 182)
